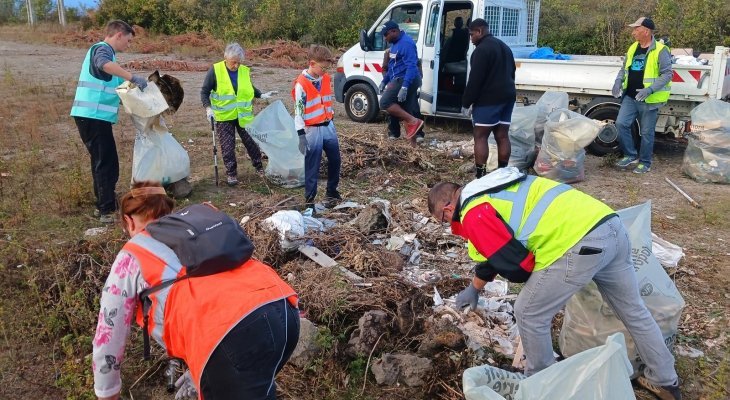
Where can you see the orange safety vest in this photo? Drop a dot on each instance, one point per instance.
(318, 108)
(190, 318)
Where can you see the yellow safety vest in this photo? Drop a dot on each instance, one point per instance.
(227, 104)
(651, 72)
(548, 217)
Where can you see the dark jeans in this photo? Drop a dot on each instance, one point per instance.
(244, 364)
(98, 138)
(390, 97)
(321, 138)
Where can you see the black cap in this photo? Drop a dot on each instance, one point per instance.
(645, 22)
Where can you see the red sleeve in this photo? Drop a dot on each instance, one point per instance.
(494, 239)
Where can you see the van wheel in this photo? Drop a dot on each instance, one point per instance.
(607, 140)
(361, 103)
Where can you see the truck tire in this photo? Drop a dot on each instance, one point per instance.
(361, 103)
(607, 140)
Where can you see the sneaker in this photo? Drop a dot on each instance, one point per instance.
(642, 169)
(332, 199)
(413, 128)
(626, 161)
(107, 218)
(309, 203)
(232, 181)
(670, 392)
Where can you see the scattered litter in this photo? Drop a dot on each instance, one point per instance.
(687, 351)
(437, 299)
(348, 204)
(232, 204)
(667, 253)
(496, 288)
(244, 220)
(324, 260)
(190, 141)
(292, 227)
(95, 231)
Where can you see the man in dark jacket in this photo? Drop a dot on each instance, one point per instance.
(490, 94)
(399, 88)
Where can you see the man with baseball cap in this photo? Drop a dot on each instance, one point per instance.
(399, 88)
(643, 84)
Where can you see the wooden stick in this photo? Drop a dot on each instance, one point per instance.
(324, 260)
(367, 366)
(686, 196)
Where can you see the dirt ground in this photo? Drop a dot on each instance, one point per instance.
(32, 363)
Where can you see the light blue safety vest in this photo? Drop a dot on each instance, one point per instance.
(96, 98)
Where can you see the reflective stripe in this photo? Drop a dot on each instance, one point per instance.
(97, 86)
(216, 96)
(244, 104)
(245, 114)
(227, 107)
(327, 98)
(539, 210)
(313, 102)
(95, 106)
(313, 114)
(518, 199)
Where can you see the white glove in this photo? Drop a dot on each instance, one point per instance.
(617, 89)
(269, 94)
(642, 94)
(466, 111)
(185, 387)
(208, 113)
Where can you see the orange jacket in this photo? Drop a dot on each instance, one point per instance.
(192, 316)
(318, 108)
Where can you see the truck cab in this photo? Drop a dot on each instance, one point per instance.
(439, 29)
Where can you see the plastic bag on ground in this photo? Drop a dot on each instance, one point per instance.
(157, 155)
(273, 130)
(600, 373)
(589, 320)
(667, 253)
(562, 154)
(521, 137)
(292, 227)
(546, 104)
(707, 158)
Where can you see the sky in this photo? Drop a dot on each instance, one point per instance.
(77, 3)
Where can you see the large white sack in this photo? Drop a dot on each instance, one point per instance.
(521, 137)
(589, 320)
(273, 130)
(600, 373)
(546, 104)
(157, 156)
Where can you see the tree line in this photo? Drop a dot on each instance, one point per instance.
(568, 26)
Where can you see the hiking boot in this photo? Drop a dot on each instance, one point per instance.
(642, 169)
(413, 128)
(107, 218)
(626, 161)
(232, 181)
(332, 199)
(670, 392)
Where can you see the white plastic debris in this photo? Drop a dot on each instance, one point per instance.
(291, 226)
(667, 253)
(437, 299)
(95, 231)
(496, 288)
(687, 351)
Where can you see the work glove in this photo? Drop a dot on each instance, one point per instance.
(642, 94)
(468, 297)
(402, 94)
(269, 94)
(139, 81)
(466, 111)
(208, 113)
(303, 145)
(617, 89)
(382, 87)
(185, 387)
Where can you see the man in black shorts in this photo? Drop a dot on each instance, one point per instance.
(490, 94)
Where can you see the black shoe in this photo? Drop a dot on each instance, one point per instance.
(670, 392)
(331, 199)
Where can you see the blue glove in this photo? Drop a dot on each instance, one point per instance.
(642, 94)
(617, 89)
(139, 81)
(402, 93)
(382, 87)
(303, 144)
(468, 297)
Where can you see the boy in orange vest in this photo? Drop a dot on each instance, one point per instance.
(313, 114)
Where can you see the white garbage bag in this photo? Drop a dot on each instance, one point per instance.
(292, 226)
(707, 158)
(273, 130)
(562, 154)
(600, 373)
(589, 320)
(521, 137)
(546, 104)
(157, 156)
(667, 253)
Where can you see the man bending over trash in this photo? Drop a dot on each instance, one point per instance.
(556, 239)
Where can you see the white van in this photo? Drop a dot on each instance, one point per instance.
(444, 62)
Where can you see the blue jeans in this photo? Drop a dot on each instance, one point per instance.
(321, 138)
(246, 361)
(548, 290)
(647, 114)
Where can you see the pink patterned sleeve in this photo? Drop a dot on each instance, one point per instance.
(118, 306)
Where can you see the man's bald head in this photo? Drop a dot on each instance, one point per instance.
(440, 195)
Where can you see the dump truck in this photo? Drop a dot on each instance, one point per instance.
(444, 58)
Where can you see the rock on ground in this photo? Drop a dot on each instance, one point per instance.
(369, 328)
(307, 348)
(405, 368)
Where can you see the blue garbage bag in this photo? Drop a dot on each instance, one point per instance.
(547, 53)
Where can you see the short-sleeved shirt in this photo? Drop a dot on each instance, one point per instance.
(636, 72)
